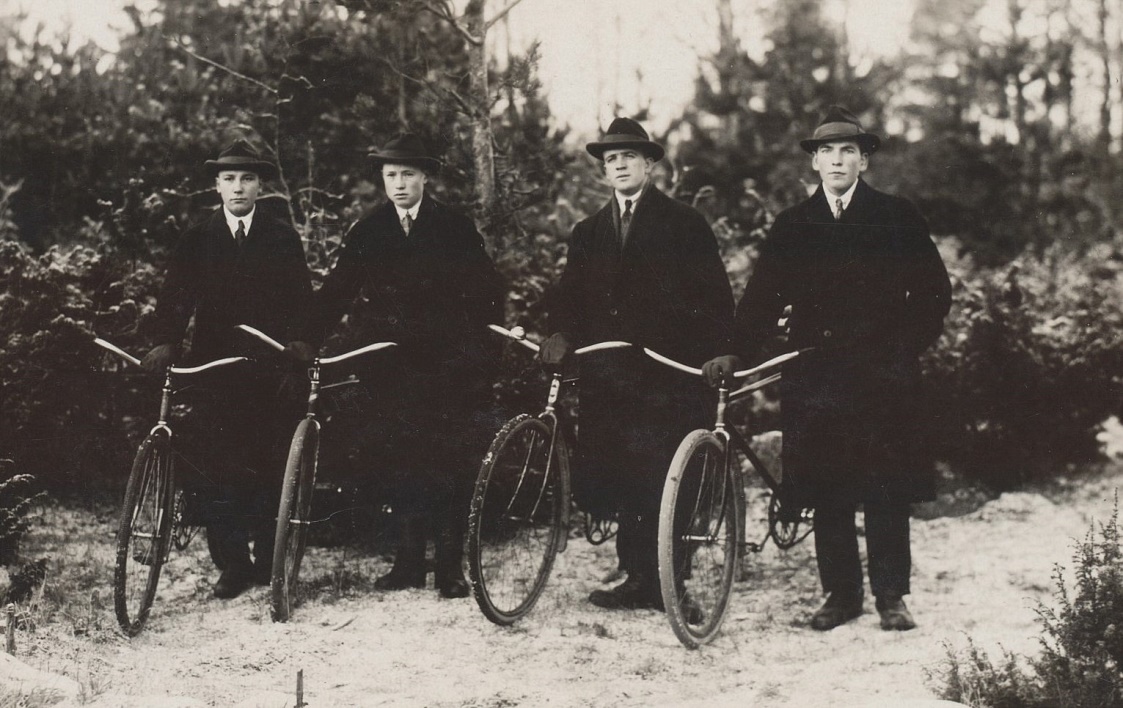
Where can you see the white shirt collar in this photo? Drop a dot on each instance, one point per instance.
(232, 221)
(412, 211)
(846, 197)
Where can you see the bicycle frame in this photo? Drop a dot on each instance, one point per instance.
(596, 532)
(732, 440)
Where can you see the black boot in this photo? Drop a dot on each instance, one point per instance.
(449, 557)
(409, 561)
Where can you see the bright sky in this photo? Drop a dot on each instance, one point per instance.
(639, 51)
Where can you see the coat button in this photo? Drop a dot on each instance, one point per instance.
(827, 333)
(392, 320)
(613, 312)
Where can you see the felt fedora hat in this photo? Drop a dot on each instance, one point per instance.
(240, 155)
(840, 124)
(625, 133)
(405, 149)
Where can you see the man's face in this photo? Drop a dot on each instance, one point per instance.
(839, 163)
(627, 169)
(404, 184)
(238, 190)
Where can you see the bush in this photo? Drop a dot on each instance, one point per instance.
(1080, 665)
(1029, 365)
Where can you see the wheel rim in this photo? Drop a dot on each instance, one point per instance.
(516, 520)
(292, 532)
(704, 543)
(143, 535)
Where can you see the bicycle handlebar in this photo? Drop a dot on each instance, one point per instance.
(518, 334)
(325, 360)
(262, 336)
(173, 369)
(770, 364)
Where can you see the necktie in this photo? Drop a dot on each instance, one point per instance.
(837, 209)
(240, 234)
(407, 223)
(625, 221)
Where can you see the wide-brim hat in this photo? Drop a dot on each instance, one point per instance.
(840, 124)
(240, 155)
(405, 149)
(625, 133)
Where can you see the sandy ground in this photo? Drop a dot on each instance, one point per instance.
(979, 575)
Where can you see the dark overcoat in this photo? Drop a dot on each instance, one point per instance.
(433, 292)
(666, 289)
(869, 292)
(264, 283)
(241, 425)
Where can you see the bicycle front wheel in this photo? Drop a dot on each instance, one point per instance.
(293, 517)
(517, 521)
(699, 537)
(143, 532)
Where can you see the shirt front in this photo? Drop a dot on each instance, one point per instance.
(846, 197)
(232, 221)
(412, 211)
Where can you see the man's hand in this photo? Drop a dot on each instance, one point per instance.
(719, 370)
(555, 350)
(160, 358)
(301, 352)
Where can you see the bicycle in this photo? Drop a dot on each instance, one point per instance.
(152, 515)
(519, 518)
(702, 514)
(294, 510)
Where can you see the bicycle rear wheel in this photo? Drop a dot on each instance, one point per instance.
(293, 517)
(517, 521)
(699, 537)
(144, 532)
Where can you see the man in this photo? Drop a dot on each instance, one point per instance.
(238, 266)
(644, 269)
(428, 284)
(868, 290)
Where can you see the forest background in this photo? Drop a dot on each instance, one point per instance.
(1001, 119)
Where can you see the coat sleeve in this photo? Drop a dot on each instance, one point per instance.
(565, 310)
(299, 278)
(340, 287)
(179, 293)
(708, 297)
(764, 298)
(482, 287)
(929, 288)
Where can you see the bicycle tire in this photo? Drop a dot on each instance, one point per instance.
(293, 514)
(517, 520)
(143, 532)
(699, 537)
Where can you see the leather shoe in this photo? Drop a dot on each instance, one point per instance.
(401, 577)
(632, 594)
(452, 584)
(894, 615)
(838, 609)
(234, 581)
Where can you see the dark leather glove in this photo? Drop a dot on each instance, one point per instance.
(555, 350)
(160, 358)
(302, 352)
(719, 370)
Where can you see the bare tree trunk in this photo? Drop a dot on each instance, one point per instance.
(482, 155)
(1105, 55)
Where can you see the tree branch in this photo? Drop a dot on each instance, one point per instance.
(222, 67)
(465, 107)
(444, 13)
(501, 14)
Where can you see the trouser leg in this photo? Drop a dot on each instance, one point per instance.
(836, 549)
(887, 548)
